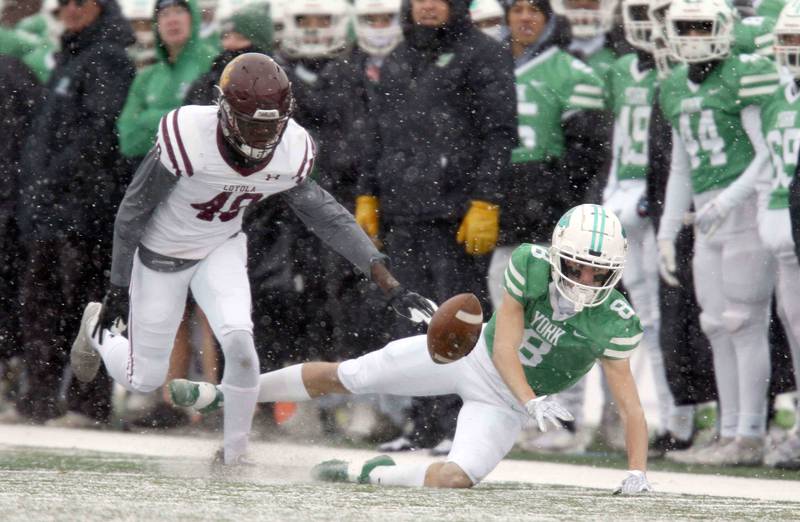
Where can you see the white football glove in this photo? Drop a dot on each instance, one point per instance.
(708, 219)
(635, 482)
(667, 265)
(545, 409)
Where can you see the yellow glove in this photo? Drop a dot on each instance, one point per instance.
(367, 214)
(480, 228)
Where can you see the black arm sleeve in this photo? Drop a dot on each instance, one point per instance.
(587, 137)
(152, 184)
(659, 159)
(333, 224)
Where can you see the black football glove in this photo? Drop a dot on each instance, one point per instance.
(114, 312)
(411, 305)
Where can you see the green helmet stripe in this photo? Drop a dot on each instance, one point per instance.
(602, 212)
(594, 229)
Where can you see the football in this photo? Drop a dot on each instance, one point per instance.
(455, 328)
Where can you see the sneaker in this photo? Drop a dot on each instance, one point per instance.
(73, 419)
(697, 452)
(202, 396)
(666, 443)
(336, 470)
(401, 443)
(84, 359)
(784, 455)
(743, 451)
(442, 449)
(240, 461)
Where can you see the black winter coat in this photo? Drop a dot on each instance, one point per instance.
(203, 90)
(73, 172)
(348, 105)
(22, 93)
(446, 121)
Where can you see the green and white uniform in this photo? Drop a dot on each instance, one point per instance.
(548, 86)
(556, 351)
(632, 94)
(780, 118)
(753, 35)
(718, 153)
(769, 8)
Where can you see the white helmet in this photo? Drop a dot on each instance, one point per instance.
(137, 9)
(662, 54)
(226, 8)
(587, 23)
(277, 10)
(484, 12)
(377, 41)
(588, 235)
(787, 54)
(299, 42)
(637, 24)
(715, 15)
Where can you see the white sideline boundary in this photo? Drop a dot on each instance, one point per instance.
(282, 454)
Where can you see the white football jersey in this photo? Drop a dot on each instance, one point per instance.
(206, 205)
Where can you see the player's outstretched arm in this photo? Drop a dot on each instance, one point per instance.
(623, 388)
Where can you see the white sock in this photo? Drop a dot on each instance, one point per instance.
(409, 475)
(240, 404)
(681, 421)
(115, 352)
(727, 379)
(285, 384)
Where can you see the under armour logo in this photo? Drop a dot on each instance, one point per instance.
(270, 177)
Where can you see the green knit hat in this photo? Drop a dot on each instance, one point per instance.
(254, 22)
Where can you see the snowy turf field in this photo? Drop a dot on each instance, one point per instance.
(86, 475)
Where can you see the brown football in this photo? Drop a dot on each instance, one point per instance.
(455, 328)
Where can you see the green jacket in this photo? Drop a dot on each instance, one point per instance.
(161, 87)
(31, 42)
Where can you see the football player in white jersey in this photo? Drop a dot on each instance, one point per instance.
(179, 228)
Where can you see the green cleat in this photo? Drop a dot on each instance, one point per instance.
(371, 464)
(202, 396)
(330, 471)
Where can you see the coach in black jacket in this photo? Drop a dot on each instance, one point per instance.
(73, 181)
(446, 125)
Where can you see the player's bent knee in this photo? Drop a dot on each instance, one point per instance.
(737, 319)
(449, 475)
(240, 355)
(711, 325)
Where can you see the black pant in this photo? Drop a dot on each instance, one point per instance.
(11, 256)
(61, 276)
(425, 258)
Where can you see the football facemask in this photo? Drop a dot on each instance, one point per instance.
(699, 30)
(588, 18)
(787, 38)
(637, 24)
(374, 39)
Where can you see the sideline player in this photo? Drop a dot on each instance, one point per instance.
(179, 228)
(718, 151)
(560, 313)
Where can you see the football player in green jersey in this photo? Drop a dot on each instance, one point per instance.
(780, 118)
(632, 87)
(712, 104)
(560, 314)
(590, 20)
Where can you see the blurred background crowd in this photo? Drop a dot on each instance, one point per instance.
(450, 145)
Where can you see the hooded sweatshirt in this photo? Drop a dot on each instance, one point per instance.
(161, 87)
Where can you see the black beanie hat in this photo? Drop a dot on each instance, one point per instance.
(542, 5)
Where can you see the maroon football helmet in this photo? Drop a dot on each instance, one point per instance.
(255, 103)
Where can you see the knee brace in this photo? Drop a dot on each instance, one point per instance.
(241, 360)
(711, 325)
(740, 317)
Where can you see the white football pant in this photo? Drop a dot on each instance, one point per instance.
(220, 286)
(490, 419)
(733, 277)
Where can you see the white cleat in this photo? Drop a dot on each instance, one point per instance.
(83, 358)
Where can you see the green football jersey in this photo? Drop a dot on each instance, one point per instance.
(555, 354)
(549, 85)
(631, 92)
(753, 35)
(708, 116)
(779, 120)
(769, 8)
(601, 62)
